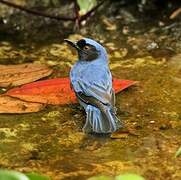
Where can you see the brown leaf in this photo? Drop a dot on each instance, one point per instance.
(13, 105)
(15, 75)
(124, 133)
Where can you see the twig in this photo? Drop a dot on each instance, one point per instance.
(175, 13)
(77, 18)
(77, 15)
(60, 18)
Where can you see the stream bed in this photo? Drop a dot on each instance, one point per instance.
(51, 142)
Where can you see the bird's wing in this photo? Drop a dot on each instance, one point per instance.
(96, 82)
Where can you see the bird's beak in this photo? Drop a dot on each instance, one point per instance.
(71, 43)
(74, 44)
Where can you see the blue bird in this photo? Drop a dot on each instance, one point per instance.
(91, 80)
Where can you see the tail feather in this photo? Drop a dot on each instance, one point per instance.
(100, 122)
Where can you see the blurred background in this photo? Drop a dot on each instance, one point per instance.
(126, 16)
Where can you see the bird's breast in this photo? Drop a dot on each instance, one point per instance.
(78, 70)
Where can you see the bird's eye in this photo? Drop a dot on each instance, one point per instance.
(86, 47)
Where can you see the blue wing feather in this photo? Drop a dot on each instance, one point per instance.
(95, 81)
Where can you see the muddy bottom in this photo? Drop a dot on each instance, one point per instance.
(51, 142)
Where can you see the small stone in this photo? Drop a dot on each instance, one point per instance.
(117, 54)
(152, 122)
(152, 46)
(111, 46)
(161, 23)
(125, 30)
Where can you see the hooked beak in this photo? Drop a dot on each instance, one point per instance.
(74, 44)
(71, 43)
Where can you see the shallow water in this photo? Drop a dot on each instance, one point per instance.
(51, 142)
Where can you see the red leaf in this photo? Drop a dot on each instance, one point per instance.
(121, 84)
(56, 91)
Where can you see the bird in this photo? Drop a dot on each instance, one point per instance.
(91, 81)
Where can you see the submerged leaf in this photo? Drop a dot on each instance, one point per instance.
(56, 91)
(35, 176)
(100, 178)
(53, 91)
(116, 135)
(12, 175)
(14, 75)
(123, 133)
(178, 153)
(14, 105)
(129, 176)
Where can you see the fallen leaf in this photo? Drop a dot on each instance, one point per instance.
(178, 153)
(124, 133)
(15, 75)
(121, 84)
(56, 91)
(53, 91)
(14, 105)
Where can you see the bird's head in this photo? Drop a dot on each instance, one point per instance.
(88, 49)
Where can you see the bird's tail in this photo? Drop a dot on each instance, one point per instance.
(101, 121)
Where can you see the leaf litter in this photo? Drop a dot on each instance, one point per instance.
(14, 105)
(32, 97)
(56, 91)
(15, 75)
